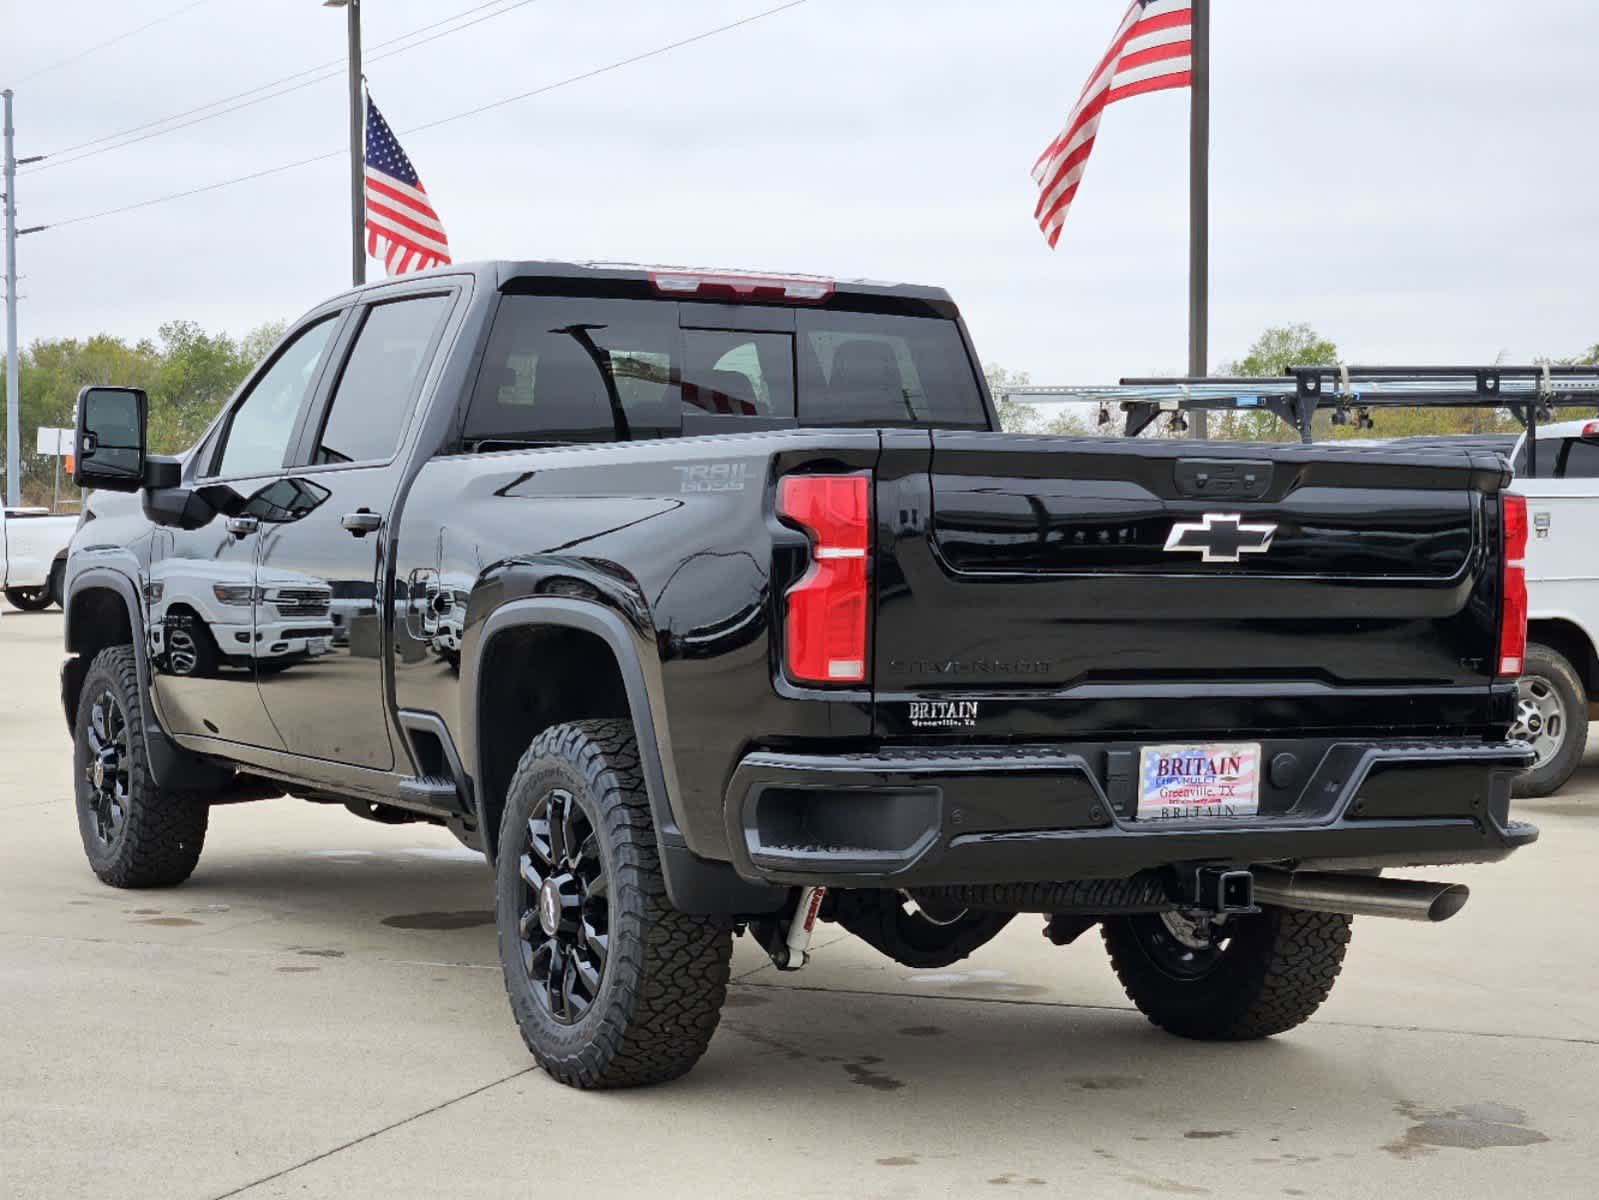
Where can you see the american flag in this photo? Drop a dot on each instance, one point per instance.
(1151, 51)
(401, 227)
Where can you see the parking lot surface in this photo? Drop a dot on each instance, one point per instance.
(319, 1012)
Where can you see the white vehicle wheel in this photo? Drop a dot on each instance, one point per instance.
(1551, 717)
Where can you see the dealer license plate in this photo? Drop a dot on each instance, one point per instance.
(1199, 782)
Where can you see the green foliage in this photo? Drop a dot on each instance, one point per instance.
(1282, 346)
(1013, 417)
(1273, 352)
(188, 373)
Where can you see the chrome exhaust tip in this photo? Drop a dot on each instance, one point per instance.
(1360, 895)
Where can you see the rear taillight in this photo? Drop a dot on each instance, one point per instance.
(824, 628)
(1513, 587)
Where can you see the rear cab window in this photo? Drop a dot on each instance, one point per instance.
(579, 369)
(1560, 458)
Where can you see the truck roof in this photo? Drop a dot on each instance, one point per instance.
(691, 283)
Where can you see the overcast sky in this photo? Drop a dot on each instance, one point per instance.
(1418, 180)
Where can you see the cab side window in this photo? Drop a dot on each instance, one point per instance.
(381, 379)
(257, 438)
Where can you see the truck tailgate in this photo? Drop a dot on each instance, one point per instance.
(1081, 587)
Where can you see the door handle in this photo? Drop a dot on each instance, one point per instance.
(362, 522)
(243, 526)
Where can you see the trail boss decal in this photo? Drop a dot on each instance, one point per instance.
(943, 714)
(713, 477)
(1205, 782)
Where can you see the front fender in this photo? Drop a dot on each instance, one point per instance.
(170, 765)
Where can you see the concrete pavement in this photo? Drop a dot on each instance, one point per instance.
(319, 1012)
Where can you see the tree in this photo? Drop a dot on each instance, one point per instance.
(1014, 417)
(188, 373)
(1282, 346)
(1276, 349)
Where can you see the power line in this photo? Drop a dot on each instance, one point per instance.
(320, 74)
(111, 41)
(625, 62)
(471, 112)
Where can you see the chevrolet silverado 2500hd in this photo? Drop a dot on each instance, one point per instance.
(717, 604)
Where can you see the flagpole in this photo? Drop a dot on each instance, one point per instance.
(357, 144)
(1199, 204)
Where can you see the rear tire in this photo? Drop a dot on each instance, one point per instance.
(1551, 714)
(1261, 974)
(135, 833)
(610, 985)
(29, 599)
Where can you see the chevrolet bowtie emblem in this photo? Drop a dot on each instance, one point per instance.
(1220, 537)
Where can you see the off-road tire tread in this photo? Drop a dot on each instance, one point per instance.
(164, 832)
(667, 970)
(1267, 992)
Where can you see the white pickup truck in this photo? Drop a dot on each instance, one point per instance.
(33, 556)
(1560, 683)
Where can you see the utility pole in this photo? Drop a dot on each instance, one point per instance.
(13, 456)
(352, 10)
(13, 452)
(1199, 206)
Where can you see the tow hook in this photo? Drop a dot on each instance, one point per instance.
(789, 945)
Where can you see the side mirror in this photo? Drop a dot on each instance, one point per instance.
(110, 447)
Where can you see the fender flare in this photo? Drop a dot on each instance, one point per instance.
(170, 764)
(608, 627)
(693, 884)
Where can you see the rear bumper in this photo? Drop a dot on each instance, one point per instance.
(970, 815)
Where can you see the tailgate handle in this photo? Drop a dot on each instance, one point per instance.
(1223, 478)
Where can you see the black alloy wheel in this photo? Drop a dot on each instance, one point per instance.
(136, 833)
(610, 985)
(1178, 947)
(566, 912)
(106, 764)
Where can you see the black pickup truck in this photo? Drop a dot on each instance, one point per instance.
(712, 604)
